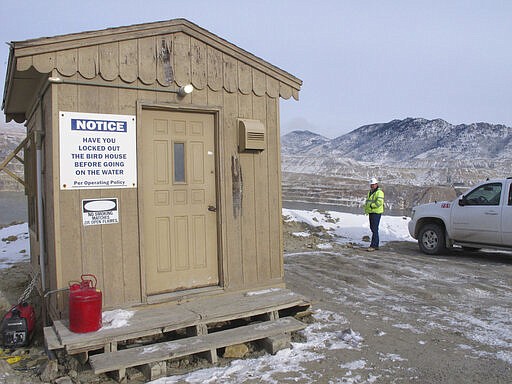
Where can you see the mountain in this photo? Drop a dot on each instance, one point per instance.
(417, 161)
(412, 140)
(300, 141)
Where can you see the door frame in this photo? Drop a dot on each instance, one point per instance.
(219, 181)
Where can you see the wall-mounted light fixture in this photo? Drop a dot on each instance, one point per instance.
(185, 90)
(181, 92)
(55, 80)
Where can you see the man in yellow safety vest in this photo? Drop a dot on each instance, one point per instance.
(374, 207)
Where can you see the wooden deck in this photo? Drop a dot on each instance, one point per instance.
(266, 315)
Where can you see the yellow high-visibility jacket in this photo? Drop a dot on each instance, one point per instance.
(374, 202)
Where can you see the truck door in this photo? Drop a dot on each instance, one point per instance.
(506, 218)
(477, 217)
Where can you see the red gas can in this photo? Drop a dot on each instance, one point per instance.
(85, 304)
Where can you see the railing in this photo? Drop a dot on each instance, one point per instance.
(14, 155)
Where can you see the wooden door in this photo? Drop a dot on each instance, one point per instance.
(178, 201)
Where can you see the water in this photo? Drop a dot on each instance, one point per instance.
(306, 206)
(13, 207)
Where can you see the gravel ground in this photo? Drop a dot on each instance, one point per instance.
(414, 318)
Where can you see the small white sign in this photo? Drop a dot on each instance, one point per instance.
(97, 151)
(100, 211)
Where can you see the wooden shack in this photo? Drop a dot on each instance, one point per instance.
(160, 192)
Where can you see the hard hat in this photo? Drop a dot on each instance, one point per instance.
(373, 180)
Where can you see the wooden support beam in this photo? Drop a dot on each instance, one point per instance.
(275, 343)
(120, 375)
(14, 176)
(110, 347)
(153, 371)
(12, 155)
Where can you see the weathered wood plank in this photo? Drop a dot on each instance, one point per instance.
(23, 63)
(273, 87)
(244, 78)
(109, 61)
(214, 69)
(274, 189)
(235, 306)
(198, 64)
(88, 61)
(68, 259)
(143, 323)
(67, 62)
(285, 91)
(231, 191)
(147, 60)
(164, 63)
(264, 170)
(181, 50)
(129, 220)
(44, 63)
(230, 73)
(128, 63)
(259, 85)
(51, 340)
(248, 238)
(114, 361)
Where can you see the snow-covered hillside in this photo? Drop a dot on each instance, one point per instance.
(411, 140)
(416, 160)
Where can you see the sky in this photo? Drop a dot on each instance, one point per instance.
(361, 61)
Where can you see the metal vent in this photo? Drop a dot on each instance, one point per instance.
(251, 135)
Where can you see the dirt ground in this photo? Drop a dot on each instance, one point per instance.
(392, 316)
(420, 319)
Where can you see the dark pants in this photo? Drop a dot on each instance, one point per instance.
(374, 227)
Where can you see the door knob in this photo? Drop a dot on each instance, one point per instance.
(211, 208)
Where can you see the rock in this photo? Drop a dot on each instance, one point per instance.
(73, 374)
(64, 380)
(236, 351)
(5, 367)
(349, 336)
(73, 364)
(50, 371)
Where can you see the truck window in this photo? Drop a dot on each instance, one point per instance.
(488, 194)
(510, 195)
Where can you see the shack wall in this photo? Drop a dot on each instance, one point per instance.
(110, 252)
(249, 196)
(120, 76)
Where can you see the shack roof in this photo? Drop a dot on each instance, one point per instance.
(138, 53)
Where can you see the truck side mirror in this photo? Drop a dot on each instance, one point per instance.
(462, 201)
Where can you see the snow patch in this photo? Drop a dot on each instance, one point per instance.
(349, 227)
(116, 319)
(14, 245)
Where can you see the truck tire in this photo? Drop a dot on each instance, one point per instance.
(431, 239)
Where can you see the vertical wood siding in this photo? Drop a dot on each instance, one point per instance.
(251, 251)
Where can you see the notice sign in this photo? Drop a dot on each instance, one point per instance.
(97, 151)
(100, 211)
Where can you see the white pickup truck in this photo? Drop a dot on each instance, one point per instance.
(481, 218)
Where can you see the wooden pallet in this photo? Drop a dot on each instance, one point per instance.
(194, 318)
(119, 361)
